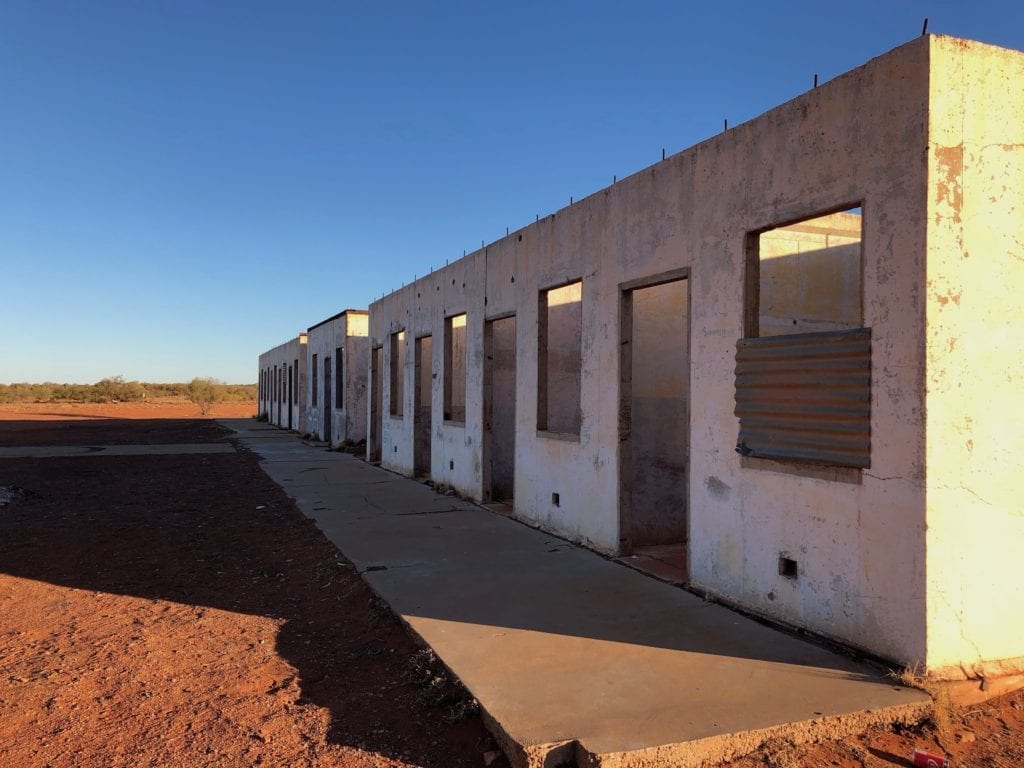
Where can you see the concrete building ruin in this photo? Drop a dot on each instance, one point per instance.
(338, 353)
(793, 348)
(791, 351)
(282, 382)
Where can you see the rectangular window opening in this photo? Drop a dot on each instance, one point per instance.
(455, 369)
(339, 380)
(397, 374)
(808, 276)
(559, 359)
(803, 372)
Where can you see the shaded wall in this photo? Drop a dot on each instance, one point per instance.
(290, 355)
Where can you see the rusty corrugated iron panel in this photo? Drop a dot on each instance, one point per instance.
(806, 396)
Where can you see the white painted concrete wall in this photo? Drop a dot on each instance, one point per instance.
(348, 332)
(974, 365)
(913, 558)
(858, 139)
(284, 356)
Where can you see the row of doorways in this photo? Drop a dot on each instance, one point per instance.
(654, 410)
(499, 407)
(281, 394)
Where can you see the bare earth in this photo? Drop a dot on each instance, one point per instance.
(179, 611)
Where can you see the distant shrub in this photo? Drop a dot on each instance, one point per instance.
(205, 393)
(115, 389)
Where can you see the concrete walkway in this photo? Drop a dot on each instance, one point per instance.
(573, 657)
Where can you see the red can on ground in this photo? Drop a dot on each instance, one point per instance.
(923, 759)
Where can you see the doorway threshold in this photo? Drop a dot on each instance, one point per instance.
(665, 562)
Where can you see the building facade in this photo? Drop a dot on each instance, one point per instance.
(338, 353)
(792, 349)
(282, 383)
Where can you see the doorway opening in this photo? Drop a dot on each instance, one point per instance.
(290, 369)
(423, 396)
(376, 402)
(328, 406)
(500, 409)
(654, 417)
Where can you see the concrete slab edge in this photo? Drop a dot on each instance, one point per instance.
(703, 753)
(698, 753)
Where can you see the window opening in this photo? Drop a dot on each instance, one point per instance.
(803, 372)
(455, 368)
(397, 375)
(559, 359)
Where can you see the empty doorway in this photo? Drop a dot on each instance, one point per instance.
(423, 396)
(500, 409)
(376, 402)
(328, 407)
(654, 412)
(290, 370)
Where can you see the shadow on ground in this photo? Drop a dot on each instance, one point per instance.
(85, 429)
(214, 531)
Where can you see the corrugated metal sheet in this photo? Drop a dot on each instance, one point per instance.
(806, 396)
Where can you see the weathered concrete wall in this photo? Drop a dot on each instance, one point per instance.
(346, 331)
(274, 402)
(859, 537)
(859, 139)
(975, 338)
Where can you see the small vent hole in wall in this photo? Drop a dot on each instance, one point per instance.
(554, 499)
(395, 448)
(787, 567)
(451, 464)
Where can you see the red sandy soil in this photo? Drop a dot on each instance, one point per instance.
(179, 611)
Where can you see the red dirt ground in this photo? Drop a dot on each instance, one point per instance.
(180, 611)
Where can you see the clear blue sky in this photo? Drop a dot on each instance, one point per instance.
(185, 184)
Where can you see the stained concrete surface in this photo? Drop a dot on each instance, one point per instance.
(569, 654)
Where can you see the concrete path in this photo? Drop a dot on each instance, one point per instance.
(573, 656)
(62, 451)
